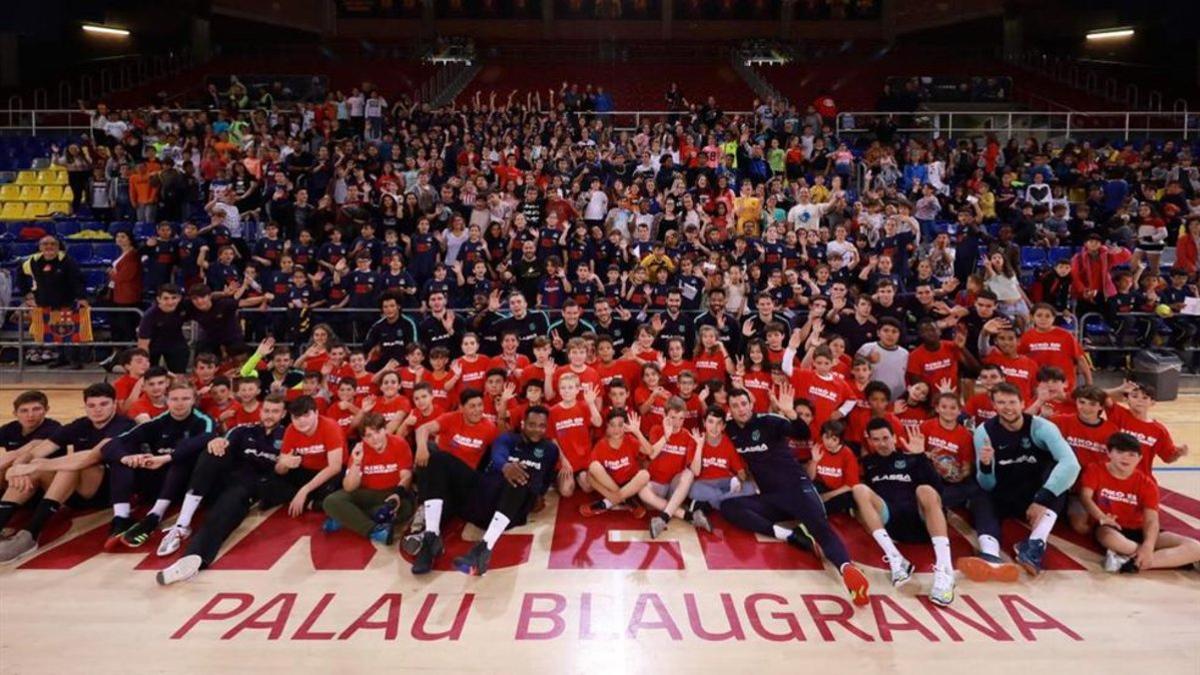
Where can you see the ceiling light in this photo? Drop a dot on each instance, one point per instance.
(1109, 33)
(105, 30)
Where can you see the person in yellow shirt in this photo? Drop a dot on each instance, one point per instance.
(748, 209)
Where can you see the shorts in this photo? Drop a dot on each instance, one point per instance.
(904, 522)
(843, 503)
(664, 490)
(1137, 535)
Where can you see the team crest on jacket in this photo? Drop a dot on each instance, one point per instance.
(754, 435)
(538, 452)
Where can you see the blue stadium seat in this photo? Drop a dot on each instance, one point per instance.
(23, 249)
(5, 234)
(143, 231)
(1059, 253)
(120, 225)
(1032, 257)
(66, 228)
(105, 253)
(80, 251)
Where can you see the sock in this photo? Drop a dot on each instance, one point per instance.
(941, 552)
(191, 502)
(989, 545)
(495, 529)
(41, 515)
(781, 532)
(889, 547)
(160, 507)
(666, 516)
(7, 509)
(607, 503)
(1043, 527)
(121, 510)
(433, 516)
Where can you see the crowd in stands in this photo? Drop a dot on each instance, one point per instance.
(646, 297)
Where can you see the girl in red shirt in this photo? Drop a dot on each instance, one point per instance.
(390, 404)
(711, 360)
(834, 468)
(674, 365)
(470, 368)
(441, 380)
(345, 411)
(650, 398)
(754, 375)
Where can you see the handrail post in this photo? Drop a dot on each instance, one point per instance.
(1068, 132)
(1127, 126)
(20, 346)
(1010, 127)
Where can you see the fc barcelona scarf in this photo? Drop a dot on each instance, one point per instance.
(61, 326)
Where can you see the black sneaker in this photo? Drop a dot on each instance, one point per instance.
(140, 534)
(800, 539)
(431, 548)
(475, 562)
(118, 527)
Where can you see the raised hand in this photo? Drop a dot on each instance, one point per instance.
(356, 455)
(266, 346)
(635, 421)
(987, 453)
(916, 441)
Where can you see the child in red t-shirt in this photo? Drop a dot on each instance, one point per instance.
(1136, 421)
(979, 407)
(651, 397)
(380, 473)
(571, 421)
(1123, 500)
(424, 409)
(345, 411)
(441, 380)
(1049, 345)
(614, 466)
(670, 481)
(833, 468)
(219, 401)
(719, 470)
(248, 409)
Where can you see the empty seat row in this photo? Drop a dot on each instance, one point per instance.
(19, 210)
(52, 175)
(35, 193)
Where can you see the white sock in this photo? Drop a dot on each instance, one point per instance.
(433, 516)
(1042, 530)
(781, 533)
(121, 510)
(989, 545)
(889, 547)
(941, 552)
(495, 529)
(607, 503)
(160, 507)
(191, 502)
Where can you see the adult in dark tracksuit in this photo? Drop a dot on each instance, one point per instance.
(520, 469)
(152, 459)
(234, 471)
(1025, 468)
(785, 491)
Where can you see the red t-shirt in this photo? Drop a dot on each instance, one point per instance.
(1090, 442)
(1056, 347)
(336, 375)
(314, 448)
(343, 417)
(586, 376)
(1123, 498)
(693, 414)
(435, 411)
(408, 380)
(759, 384)
(314, 364)
(364, 385)
(214, 410)
(718, 461)
(931, 367)
(381, 468)
(826, 394)
(838, 469)
(465, 441)
(473, 372)
(1019, 370)
(671, 371)
(124, 386)
(530, 373)
(243, 416)
(653, 417)
(144, 406)
(952, 451)
(856, 427)
(571, 428)
(672, 459)
(980, 407)
(710, 367)
(1154, 437)
(621, 462)
(628, 370)
(396, 407)
(438, 382)
(519, 362)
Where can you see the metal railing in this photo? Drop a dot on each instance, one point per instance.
(24, 340)
(1007, 124)
(1138, 340)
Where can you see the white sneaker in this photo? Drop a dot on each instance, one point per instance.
(942, 590)
(172, 540)
(902, 570)
(181, 570)
(1114, 561)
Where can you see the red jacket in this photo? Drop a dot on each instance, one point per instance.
(1186, 254)
(126, 276)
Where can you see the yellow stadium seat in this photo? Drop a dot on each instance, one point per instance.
(52, 193)
(48, 177)
(68, 194)
(60, 207)
(57, 168)
(37, 210)
(12, 211)
(31, 193)
(10, 193)
(27, 178)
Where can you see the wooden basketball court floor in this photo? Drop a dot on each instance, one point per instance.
(597, 596)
